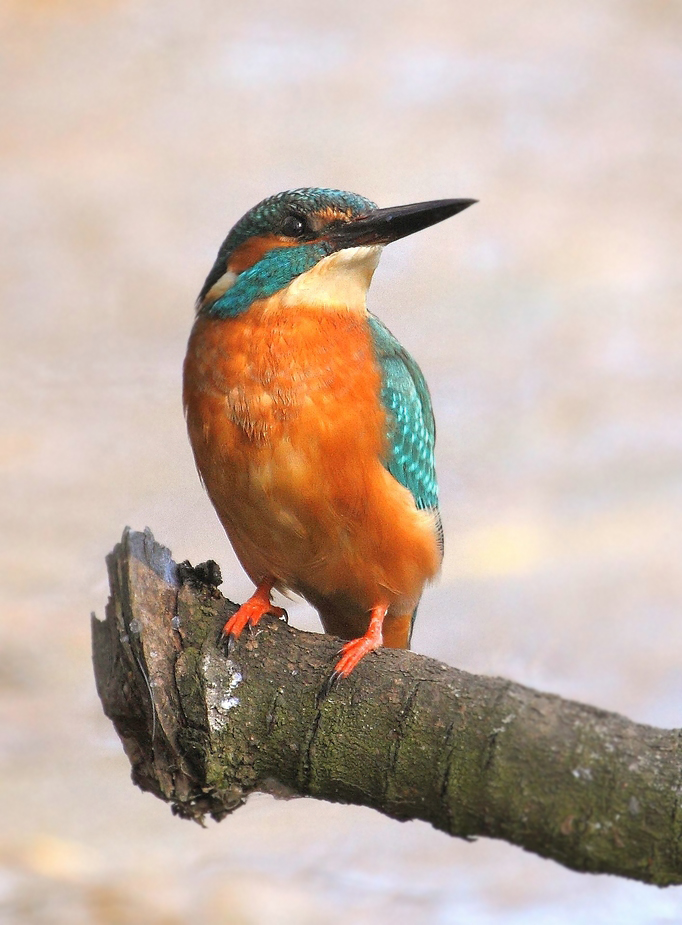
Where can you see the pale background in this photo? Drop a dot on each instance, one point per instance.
(548, 321)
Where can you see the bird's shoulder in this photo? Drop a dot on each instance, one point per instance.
(412, 429)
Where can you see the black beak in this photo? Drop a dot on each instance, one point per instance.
(385, 225)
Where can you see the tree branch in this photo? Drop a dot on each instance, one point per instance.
(406, 735)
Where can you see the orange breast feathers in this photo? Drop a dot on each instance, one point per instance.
(289, 436)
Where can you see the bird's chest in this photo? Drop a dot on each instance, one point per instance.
(283, 397)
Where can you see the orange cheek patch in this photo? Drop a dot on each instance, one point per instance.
(251, 251)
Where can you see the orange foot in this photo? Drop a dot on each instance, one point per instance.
(355, 650)
(250, 613)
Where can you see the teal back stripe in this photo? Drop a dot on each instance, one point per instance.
(412, 429)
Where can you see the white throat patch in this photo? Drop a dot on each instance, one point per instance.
(340, 280)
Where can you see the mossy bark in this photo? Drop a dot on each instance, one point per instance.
(406, 735)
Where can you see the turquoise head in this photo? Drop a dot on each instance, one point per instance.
(289, 234)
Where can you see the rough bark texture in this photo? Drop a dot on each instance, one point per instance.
(406, 735)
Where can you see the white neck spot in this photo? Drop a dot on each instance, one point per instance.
(340, 280)
(218, 289)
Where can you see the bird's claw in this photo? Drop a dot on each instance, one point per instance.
(247, 617)
(226, 640)
(330, 684)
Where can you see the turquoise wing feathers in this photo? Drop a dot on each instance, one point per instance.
(412, 428)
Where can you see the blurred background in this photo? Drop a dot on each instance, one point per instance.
(548, 322)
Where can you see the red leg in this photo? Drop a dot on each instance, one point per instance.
(356, 649)
(252, 610)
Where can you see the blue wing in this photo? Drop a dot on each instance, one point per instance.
(412, 428)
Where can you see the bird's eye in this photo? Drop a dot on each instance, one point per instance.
(294, 226)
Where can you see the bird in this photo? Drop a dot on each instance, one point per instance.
(311, 426)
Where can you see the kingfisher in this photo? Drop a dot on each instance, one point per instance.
(311, 426)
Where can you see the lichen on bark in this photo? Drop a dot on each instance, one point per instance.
(406, 735)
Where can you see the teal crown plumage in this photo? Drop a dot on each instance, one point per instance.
(270, 213)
